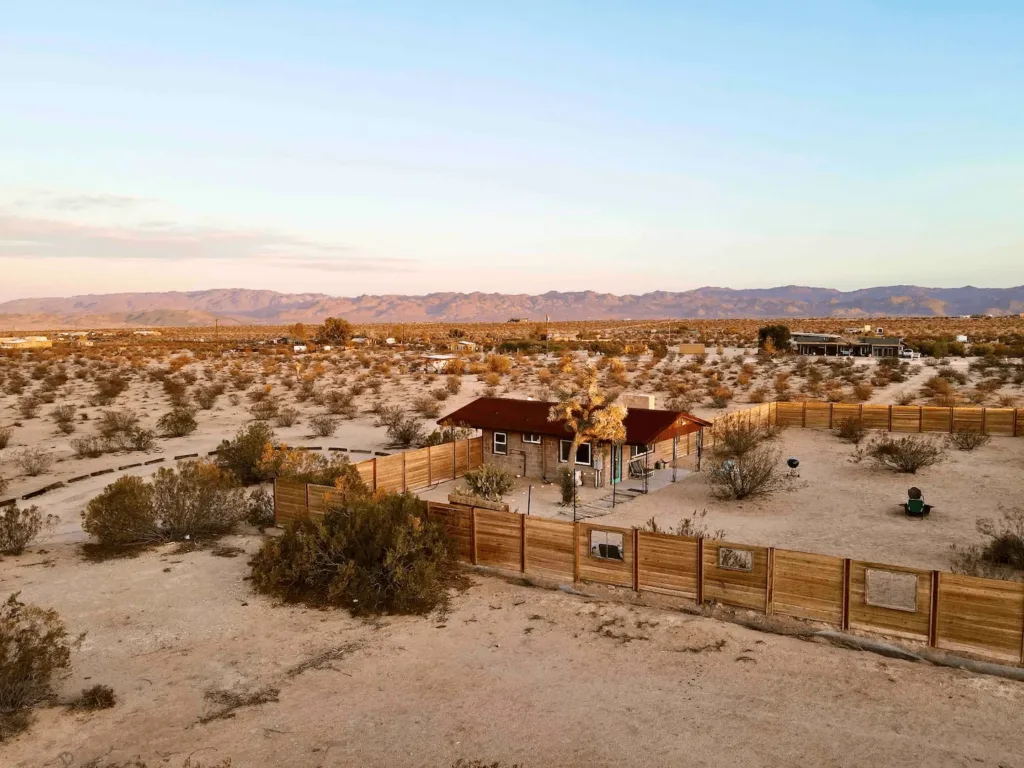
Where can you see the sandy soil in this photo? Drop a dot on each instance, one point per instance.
(513, 674)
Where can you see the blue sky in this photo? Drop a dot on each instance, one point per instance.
(401, 147)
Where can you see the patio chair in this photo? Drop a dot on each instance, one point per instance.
(917, 508)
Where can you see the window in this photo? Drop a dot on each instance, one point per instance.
(501, 443)
(606, 545)
(582, 453)
(532, 439)
(731, 559)
(640, 450)
(890, 589)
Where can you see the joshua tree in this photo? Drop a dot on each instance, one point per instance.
(588, 415)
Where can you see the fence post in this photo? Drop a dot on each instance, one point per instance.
(933, 613)
(831, 414)
(920, 419)
(472, 535)
(1015, 422)
(700, 570)
(455, 457)
(769, 597)
(275, 501)
(405, 485)
(846, 594)
(952, 419)
(984, 421)
(890, 418)
(430, 466)
(636, 560)
(374, 474)
(305, 488)
(522, 543)
(575, 552)
(804, 416)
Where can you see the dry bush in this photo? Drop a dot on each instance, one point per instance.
(499, 364)
(260, 508)
(286, 417)
(122, 514)
(35, 652)
(968, 439)
(850, 430)
(753, 473)
(904, 454)
(88, 447)
(179, 422)
(406, 432)
(64, 417)
(1002, 557)
(108, 389)
(34, 461)
(737, 438)
(453, 384)
(339, 403)
(94, 698)
(426, 407)
(18, 527)
(489, 482)
(369, 554)
(264, 410)
(28, 407)
(447, 435)
(206, 397)
(691, 527)
(243, 454)
(5, 436)
(440, 394)
(323, 425)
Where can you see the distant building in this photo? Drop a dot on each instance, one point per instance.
(463, 346)
(562, 335)
(834, 345)
(25, 342)
(146, 333)
(437, 363)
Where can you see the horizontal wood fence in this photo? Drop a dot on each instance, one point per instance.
(998, 422)
(944, 610)
(409, 471)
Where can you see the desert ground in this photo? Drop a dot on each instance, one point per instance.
(513, 674)
(585, 682)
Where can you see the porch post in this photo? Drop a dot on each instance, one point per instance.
(675, 455)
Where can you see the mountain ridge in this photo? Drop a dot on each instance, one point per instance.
(265, 307)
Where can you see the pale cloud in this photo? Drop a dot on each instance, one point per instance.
(54, 201)
(30, 237)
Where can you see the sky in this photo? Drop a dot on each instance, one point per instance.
(359, 148)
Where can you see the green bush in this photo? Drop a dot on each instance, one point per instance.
(35, 651)
(260, 508)
(406, 432)
(19, 526)
(968, 439)
(752, 473)
(850, 430)
(489, 482)
(243, 455)
(178, 422)
(370, 555)
(905, 454)
(566, 485)
(122, 514)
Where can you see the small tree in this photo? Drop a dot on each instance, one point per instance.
(587, 414)
(334, 331)
(778, 335)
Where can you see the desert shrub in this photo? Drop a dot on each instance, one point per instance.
(904, 454)
(264, 410)
(206, 397)
(755, 472)
(176, 391)
(736, 439)
(122, 514)
(108, 388)
(259, 510)
(93, 698)
(850, 430)
(440, 394)
(409, 431)
(447, 435)
(34, 461)
(427, 407)
(28, 407)
(286, 417)
(323, 425)
(489, 482)
(720, 396)
(453, 384)
(566, 485)
(339, 403)
(368, 554)
(121, 431)
(388, 415)
(968, 439)
(195, 501)
(5, 436)
(35, 651)
(500, 364)
(692, 527)
(308, 467)
(1002, 556)
(88, 446)
(179, 422)
(243, 454)
(18, 527)
(64, 417)
(3, 485)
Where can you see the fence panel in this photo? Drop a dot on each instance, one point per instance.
(498, 539)
(999, 422)
(789, 414)
(875, 416)
(417, 469)
(736, 574)
(668, 564)
(476, 452)
(365, 470)
(1019, 423)
(289, 501)
(390, 473)
(458, 523)
(980, 616)
(819, 415)
(317, 498)
(890, 599)
(461, 457)
(549, 548)
(906, 418)
(442, 463)
(595, 566)
(935, 419)
(968, 418)
(808, 586)
(845, 411)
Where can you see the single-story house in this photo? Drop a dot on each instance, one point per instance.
(463, 346)
(518, 436)
(831, 344)
(25, 342)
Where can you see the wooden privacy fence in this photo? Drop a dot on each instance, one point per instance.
(998, 422)
(409, 471)
(944, 610)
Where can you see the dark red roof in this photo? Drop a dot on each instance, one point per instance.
(643, 425)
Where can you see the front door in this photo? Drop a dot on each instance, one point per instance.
(616, 463)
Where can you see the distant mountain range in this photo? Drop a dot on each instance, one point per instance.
(249, 307)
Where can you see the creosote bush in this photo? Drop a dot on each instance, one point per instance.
(691, 527)
(306, 466)
(93, 698)
(323, 425)
(968, 439)
(1002, 557)
(369, 554)
(34, 461)
(489, 482)
(903, 454)
(5, 436)
(850, 430)
(178, 422)
(754, 473)
(406, 432)
(18, 527)
(566, 485)
(35, 651)
(243, 454)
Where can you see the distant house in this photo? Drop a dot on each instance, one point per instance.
(146, 333)
(831, 344)
(25, 342)
(462, 346)
(518, 437)
(437, 363)
(300, 348)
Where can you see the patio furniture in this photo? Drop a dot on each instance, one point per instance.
(915, 506)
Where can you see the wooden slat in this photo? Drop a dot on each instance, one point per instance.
(316, 498)
(289, 501)
(808, 586)
(549, 548)
(818, 415)
(934, 419)
(746, 589)
(969, 418)
(789, 414)
(983, 616)
(461, 457)
(442, 463)
(456, 521)
(906, 418)
(999, 422)
(875, 416)
(476, 452)
(417, 469)
(844, 411)
(365, 470)
(390, 473)
(668, 563)
(497, 539)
